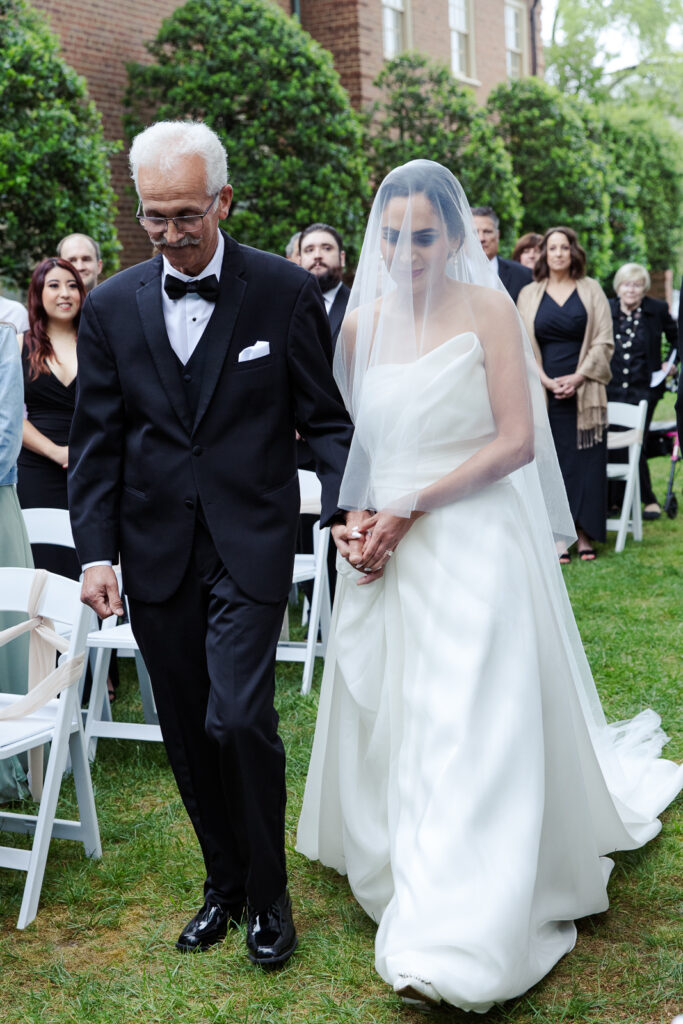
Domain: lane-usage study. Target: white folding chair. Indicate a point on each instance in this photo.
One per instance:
(52, 526)
(631, 417)
(48, 713)
(311, 567)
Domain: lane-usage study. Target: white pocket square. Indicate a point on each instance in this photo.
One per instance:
(255, 351)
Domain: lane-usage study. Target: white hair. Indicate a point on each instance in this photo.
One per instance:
(162, 144)
(632, 272)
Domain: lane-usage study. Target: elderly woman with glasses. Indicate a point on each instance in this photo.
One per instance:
(639, 323)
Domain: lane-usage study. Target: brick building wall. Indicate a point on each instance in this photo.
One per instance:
(98, 39)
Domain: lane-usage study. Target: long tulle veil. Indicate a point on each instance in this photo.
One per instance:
(409, 265)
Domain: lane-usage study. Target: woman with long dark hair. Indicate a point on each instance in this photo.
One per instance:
(463, 775)
(48, 354)
(570, 325)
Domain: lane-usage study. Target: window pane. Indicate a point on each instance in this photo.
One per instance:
(513, 27)
(460, 54)
(514, 64)
(457, 15)
(393, 32)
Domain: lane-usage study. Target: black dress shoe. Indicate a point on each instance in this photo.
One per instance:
(271, 936)
(208, 927)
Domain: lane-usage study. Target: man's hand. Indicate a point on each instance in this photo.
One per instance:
(100, 591)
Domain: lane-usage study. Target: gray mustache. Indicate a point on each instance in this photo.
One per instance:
(162, 244)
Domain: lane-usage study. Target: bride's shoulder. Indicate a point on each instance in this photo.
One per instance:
(352, 319)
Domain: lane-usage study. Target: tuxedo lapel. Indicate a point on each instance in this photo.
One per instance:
(218, 333)
(337, 312)
(152, 317)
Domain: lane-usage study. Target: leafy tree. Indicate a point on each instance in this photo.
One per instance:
(54, 171)
(648, 154)
(272, 95)
(578, 55)
(564, 175)
(425, 114)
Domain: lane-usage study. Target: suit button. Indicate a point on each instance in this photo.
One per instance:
(189, 503)
(197, 450)
(187, 377)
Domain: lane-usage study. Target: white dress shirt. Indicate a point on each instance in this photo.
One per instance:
(187, 317)
(330, 296)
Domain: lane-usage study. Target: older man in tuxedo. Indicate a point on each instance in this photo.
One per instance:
(195, 368)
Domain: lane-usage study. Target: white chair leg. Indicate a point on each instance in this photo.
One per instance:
(637, 510)
(84, 795)
(98, 694)
(43, 833)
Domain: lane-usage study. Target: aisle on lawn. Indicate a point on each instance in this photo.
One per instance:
(101, 949)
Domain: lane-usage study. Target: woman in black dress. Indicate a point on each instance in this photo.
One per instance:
(569, 321)
(639, 323)
(48, 354)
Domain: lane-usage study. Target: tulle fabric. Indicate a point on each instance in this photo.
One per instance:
(398, 293)
(462, 772)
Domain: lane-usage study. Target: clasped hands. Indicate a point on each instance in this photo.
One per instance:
(367, 540)
(565, 387)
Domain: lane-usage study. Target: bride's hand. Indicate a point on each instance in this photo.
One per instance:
(383, 532)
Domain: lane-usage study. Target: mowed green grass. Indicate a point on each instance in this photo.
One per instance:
(101, 950)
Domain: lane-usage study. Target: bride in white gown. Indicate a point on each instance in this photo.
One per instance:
(462, 773)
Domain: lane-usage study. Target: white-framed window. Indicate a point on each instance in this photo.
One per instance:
(515, 39)
(462, 49)
(394, 27)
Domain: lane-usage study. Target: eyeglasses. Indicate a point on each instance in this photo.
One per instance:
(189, 225)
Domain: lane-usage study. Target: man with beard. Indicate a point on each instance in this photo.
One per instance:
(322, 254)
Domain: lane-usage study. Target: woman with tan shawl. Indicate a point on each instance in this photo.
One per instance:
(570, 325)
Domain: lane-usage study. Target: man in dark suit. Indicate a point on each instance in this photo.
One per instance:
(513, 275)
(322, 254)
(195, 368)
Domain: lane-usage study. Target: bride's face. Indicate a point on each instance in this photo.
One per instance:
(415, 245)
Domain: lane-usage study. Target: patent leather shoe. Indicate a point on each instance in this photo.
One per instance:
(208, 927)
(271, 936)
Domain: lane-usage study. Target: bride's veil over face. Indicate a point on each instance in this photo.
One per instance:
(420, 285)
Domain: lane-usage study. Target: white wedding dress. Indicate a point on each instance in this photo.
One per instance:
(460, 775)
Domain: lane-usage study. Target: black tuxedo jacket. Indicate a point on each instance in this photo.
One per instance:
(657, 320)
(514, 276)
(139, 463)
(337, 311)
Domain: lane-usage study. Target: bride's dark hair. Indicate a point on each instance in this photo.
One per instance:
(433, 181)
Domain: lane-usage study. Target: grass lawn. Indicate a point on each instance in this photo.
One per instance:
(101, 948)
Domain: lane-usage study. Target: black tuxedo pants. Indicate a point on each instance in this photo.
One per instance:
(210, 653)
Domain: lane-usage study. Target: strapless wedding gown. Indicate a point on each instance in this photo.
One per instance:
(459, 775)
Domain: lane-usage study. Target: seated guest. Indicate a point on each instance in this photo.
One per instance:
(527, 249)
(14, 546)
(513, 275)
(639, 323)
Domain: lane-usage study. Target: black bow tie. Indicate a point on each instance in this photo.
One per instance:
(206, 287)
